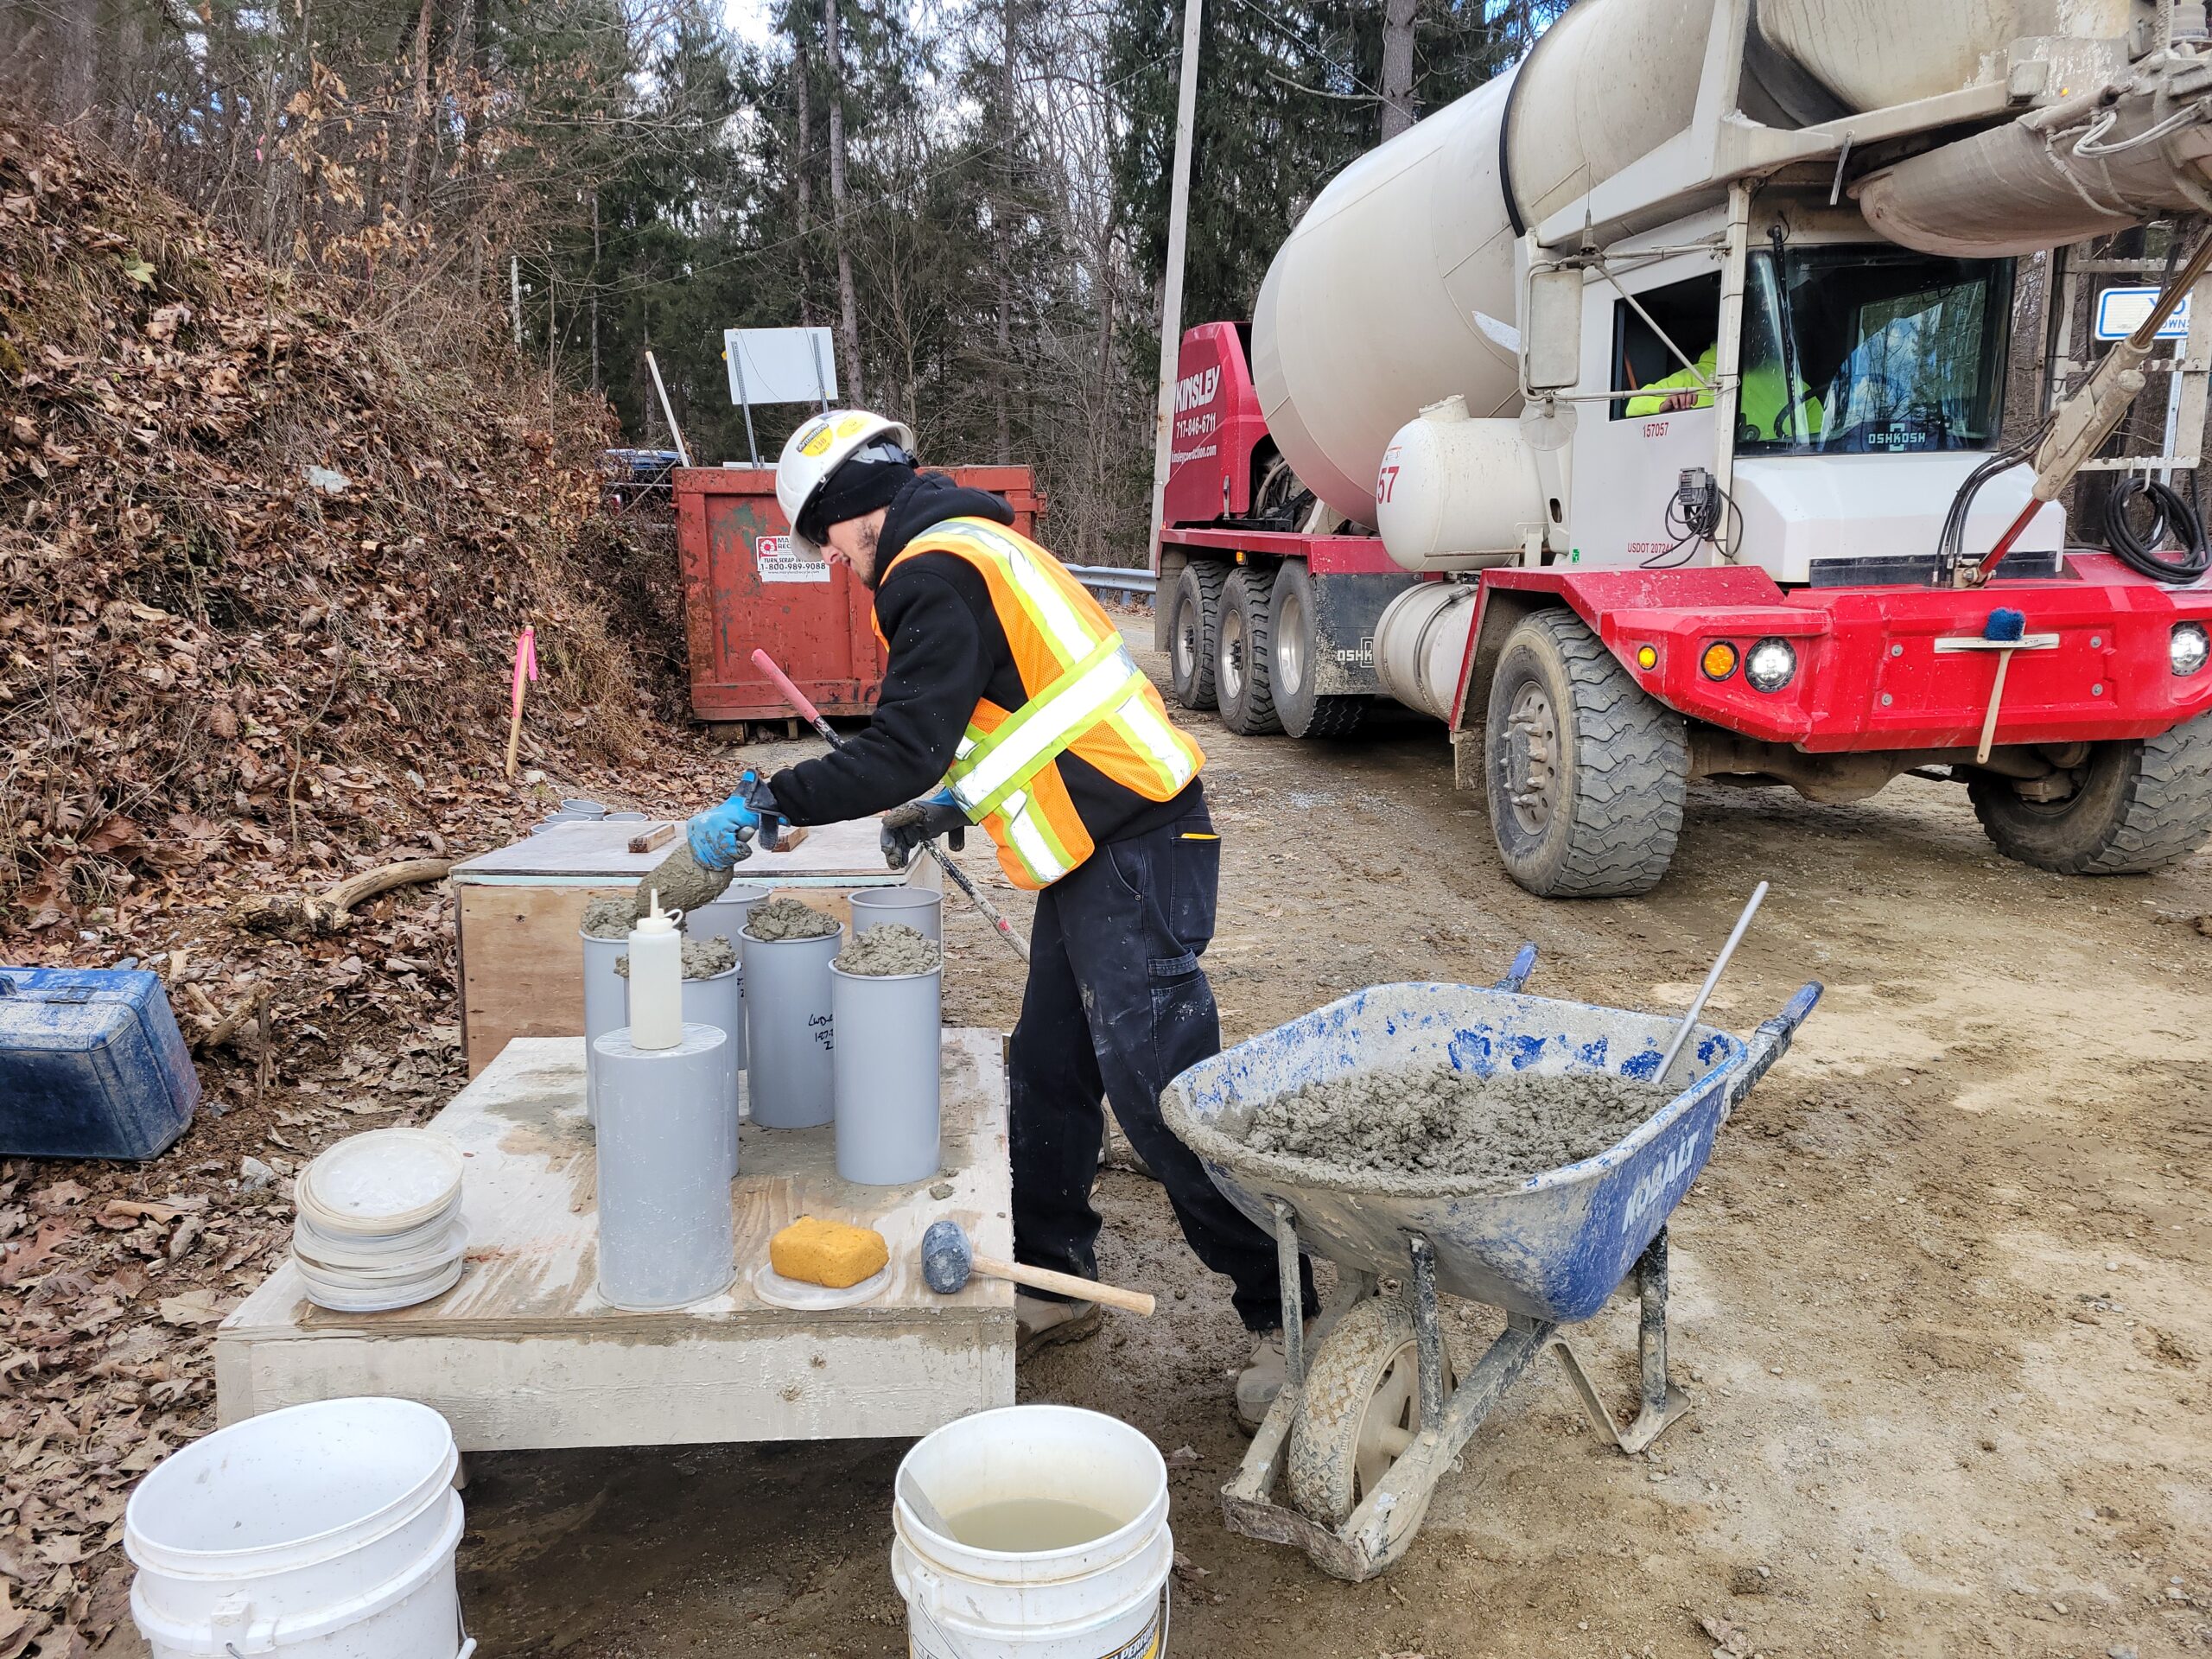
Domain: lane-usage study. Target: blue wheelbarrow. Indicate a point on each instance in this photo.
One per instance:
(1364, 1431)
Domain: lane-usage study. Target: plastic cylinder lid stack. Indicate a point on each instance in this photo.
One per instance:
(378, 1222)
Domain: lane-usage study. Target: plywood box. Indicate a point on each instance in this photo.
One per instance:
(524, 1352)
(521, 906)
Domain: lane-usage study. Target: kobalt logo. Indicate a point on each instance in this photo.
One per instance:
(1649, 1191)
(1195, 390)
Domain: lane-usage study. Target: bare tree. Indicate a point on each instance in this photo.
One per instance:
(1398, 66)
(847, 301)
(1008, 93)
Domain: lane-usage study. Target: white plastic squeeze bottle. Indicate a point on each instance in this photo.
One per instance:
(656, 979)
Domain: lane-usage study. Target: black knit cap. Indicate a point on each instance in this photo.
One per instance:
(867, 479)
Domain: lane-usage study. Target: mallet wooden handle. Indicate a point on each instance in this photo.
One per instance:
(1067, 1284)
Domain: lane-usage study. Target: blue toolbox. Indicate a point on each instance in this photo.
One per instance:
(92, 1065)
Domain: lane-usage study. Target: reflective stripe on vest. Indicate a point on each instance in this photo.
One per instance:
(1099, 683)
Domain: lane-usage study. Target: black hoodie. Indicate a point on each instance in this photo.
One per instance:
(947, 653)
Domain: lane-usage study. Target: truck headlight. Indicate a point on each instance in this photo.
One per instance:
(2189, 647)
(1770, 665)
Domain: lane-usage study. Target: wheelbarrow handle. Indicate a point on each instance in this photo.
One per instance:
(1769, 1043)
(1524, 964)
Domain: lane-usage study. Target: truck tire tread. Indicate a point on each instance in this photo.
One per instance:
(1248, 590)
(2146, 804)
(1336, 716)
(1203, 579)
(1630, 778)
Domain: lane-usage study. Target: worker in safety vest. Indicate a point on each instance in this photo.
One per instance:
(1761, 401)
(1010, 702)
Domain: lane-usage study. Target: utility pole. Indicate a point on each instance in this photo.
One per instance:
(514, 294)
(1171, 288)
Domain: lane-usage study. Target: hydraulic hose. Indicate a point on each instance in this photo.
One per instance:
(1950, 544)
(2170, 511)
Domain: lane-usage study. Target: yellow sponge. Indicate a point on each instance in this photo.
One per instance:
(827, 1252)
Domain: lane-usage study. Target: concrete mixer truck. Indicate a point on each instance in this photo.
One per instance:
(1640, 416)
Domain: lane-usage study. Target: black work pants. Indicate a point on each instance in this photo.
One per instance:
(1117, 1005)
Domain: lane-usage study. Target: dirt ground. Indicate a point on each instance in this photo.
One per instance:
(1939, 1299)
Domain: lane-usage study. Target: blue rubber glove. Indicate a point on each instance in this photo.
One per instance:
(721, 835)
(905, 828)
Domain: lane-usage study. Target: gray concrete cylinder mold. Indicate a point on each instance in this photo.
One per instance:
(718, 1002)
(919, 908)
(887, 1096)
(664, 1236)
(725, 919)
(791, 1034)
(606, 1007)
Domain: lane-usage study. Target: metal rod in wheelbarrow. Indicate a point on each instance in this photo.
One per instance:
(1697, 1003)
(798, 699)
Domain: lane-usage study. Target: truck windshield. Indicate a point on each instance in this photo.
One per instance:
(1860, 350)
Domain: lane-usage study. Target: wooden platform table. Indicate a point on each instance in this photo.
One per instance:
(524, 1352)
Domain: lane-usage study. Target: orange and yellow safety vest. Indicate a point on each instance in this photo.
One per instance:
(1086, 694)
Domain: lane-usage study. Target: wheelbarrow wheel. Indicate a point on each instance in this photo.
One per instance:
(1360, 1409)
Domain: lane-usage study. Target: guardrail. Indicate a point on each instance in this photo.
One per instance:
(1114, 577)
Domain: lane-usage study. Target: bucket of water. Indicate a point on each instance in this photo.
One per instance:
(1054, 1543)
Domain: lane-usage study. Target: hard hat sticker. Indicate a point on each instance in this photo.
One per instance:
(818, 441)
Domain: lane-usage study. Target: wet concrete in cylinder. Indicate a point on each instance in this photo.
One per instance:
(1413, 1126)
(702, 959)
(609, 919)
(787, 918)
(888, 949)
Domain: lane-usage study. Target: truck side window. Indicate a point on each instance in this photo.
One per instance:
(1690, 313)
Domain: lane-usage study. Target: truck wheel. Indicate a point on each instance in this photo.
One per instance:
(1587, 775)
(1293, 628)
(2140, 805)
(1193, 631)
(1243, 677)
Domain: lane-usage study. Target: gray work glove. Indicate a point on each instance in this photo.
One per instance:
(905, 828)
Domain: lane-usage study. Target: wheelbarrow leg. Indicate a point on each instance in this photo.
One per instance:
(1661, 1401)
(1292, 1286)
(1429, 1334)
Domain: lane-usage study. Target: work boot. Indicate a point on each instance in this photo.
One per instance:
(1041, 1323)
(1260, 1381)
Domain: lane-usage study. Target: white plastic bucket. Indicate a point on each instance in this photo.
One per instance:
(1105, 1600)
(325, 1531)
(919, 908)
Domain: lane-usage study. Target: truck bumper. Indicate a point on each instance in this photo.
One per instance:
(1872, 672)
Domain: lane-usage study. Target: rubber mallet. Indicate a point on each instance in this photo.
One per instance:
(947, 1258)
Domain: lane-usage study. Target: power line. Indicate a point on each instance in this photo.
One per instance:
(1290, 34)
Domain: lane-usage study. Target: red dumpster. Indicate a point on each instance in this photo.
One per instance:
(743, 591)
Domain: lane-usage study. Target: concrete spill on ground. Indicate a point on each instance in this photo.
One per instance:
(682, 882)
(1417, 1125)
(702, 959)
(609, 919)
(787, 918)
(890, 948)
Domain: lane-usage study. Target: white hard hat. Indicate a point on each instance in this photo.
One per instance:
(819, 448)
